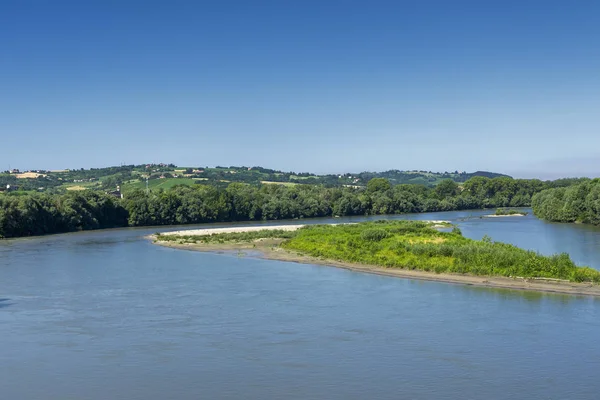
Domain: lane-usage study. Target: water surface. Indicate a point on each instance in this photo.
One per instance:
(107, 315)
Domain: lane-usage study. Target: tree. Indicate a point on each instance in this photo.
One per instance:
(446, 188)
(378, 185)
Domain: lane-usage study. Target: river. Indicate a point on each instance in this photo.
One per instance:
(108, 315)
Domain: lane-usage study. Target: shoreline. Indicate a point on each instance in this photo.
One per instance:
(287, 228)
(502, 216)
(269, 249)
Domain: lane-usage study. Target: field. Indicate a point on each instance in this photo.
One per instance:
(128, 177)
(155, 184)
(29, 175)
(279, 183)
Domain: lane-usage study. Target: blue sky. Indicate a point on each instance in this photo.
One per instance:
(319, 86)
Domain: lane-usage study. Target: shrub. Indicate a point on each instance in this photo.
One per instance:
(374, 235)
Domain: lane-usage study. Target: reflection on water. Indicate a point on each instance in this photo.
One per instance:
(106, 314)
(5, 303)
(530, 296)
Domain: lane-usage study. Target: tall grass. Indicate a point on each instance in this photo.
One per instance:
(415, 245)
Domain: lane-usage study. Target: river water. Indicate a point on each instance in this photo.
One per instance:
(108, 315)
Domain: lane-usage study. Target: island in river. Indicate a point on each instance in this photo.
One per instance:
(408, 249)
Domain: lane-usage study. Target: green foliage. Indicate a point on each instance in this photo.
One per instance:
(506, 211)
(577, 203)
(43, 214)
(456, 230)
(182, 201)
(374, 234)
(228, 237)
(416, 245)
(446, 188)
(378, 185)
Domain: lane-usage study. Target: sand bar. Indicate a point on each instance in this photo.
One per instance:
(507, 215)
(215, 231)
(269, 249)
(240, 229)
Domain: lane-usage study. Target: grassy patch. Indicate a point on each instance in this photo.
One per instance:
(237, 237)
(153, 184)
(414, 245)
(279, 183)
(508, 211)
(417, 246)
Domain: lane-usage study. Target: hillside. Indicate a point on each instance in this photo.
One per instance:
(167, 175)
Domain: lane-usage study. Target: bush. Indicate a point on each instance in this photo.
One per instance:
(374, 235)
(415, 245)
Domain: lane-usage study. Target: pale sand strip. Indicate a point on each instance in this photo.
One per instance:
(215, 231)
(503, 216)
(240, 229)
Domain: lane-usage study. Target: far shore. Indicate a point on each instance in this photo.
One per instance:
(269, 249)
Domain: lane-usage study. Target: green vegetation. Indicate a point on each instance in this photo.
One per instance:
(34, 214)
(154, 184)
(164, 176)
(237, 237)
(197, 195)
(40, 214)
(413, 245)
(416, 245)
(577, 203)
(507, 211)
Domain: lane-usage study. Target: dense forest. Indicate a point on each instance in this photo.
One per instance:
(576, 203)
(36, 214)
(40, 214)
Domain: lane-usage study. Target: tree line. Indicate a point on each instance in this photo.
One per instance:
(576, 203)
(37, 214)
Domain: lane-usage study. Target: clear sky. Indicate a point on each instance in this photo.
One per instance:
(320, 86)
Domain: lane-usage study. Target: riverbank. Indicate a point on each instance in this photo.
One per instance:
(504, 215)
(285, 228)
(270, 248)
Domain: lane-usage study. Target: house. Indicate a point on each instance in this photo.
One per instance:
(116, 193)
(8, 188)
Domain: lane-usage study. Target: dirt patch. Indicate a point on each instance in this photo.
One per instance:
(436, 240)
(29, 175)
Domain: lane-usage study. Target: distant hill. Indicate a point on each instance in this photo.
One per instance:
(426, 177)
(488, 174)
(163, 176)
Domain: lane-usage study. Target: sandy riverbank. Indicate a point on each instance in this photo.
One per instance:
(215, 231)
(240, 229)
(269, 249)
(503, 216)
